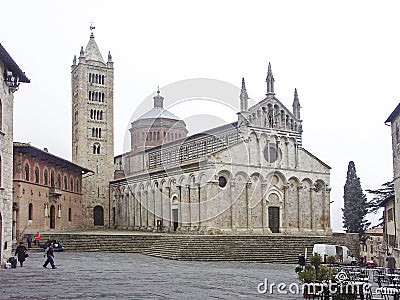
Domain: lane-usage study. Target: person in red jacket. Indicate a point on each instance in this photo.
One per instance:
(37, 239)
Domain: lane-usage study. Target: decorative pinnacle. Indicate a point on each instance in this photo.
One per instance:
(109, 56)
(243, 84)
(82, 52)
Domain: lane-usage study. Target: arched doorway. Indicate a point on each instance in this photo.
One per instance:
(52, 217)
(175, 213)
(98, 215)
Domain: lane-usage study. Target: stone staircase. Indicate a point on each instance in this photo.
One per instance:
(260, 248)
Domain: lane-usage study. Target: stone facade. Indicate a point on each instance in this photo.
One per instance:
(92, 129)
(392, 209)
(251, 176)
(47, 191)
(10, 76)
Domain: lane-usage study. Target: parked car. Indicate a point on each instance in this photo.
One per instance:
(370, 264)
(57, 245)
(341, 253)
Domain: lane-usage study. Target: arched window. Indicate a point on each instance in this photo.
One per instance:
(36, 175)
(45, 178)
(59, 181)
(90, 95)
(98, 115)
(30, 212)
(52, 179)
(94, 149)
(77, 186)
(99, 132)
(101, 115)
(97, 78)
(91, 113)
(93, 132)
(102, 79)
(26, 172)
(98, 149)
(69, 214)
(71, 184)
(65, 183)
(92, 78)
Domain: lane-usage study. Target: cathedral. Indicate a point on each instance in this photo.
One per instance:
(252, 176)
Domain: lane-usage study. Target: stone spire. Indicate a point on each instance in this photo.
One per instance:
(270, 81)
(296, 105)
(244, 103)
(158, 100)
(92, 51)
(74, 61)
(109, 57)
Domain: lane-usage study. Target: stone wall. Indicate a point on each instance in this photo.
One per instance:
(6, 169)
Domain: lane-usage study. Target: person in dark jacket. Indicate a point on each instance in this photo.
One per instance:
(21, 253)
(29, 241)
(49, 252)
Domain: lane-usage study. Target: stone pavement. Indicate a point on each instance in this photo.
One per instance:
(99, 275)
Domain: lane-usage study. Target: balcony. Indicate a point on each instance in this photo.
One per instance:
(55, 192)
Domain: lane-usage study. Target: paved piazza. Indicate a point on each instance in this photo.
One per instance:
(99, 275)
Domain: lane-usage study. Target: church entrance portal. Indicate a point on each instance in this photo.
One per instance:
(98, 215)
(175, 218)
(52, 217)
(273, 219)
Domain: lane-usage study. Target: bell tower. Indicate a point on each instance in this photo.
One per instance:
(92, 83)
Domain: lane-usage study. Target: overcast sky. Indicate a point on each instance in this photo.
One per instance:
(342, 56)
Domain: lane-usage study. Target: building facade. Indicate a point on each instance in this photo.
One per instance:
(373, 247)
(391, 204)
(250, 176)
(47, 191)
(11, 76)
(92, 129)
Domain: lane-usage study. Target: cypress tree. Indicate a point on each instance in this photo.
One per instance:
(355, 203)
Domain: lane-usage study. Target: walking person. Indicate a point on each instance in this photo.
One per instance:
(21, 253)
(49, 252)
(391, 263)
(302, 261)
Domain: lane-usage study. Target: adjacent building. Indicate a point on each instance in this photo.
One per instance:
(373, 247)
(251, 176)
(10, 77)
(47, 191)
(391, 204)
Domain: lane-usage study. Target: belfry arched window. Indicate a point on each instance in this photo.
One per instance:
(45, 178)
(71, 184)
(26, 172)
(59, 181)
(36, 175)
(52, 179)
(65, 183)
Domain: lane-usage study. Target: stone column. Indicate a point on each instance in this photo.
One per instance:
(285, 221)
(248, 185)
(311, 210)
